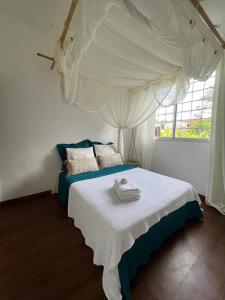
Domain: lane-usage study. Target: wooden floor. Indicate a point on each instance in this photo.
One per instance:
(43, 257)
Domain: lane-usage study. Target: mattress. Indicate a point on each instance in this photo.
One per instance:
(110, 227)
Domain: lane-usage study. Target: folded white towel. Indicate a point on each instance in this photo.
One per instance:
(126, 189)
(128, 196)
(129, 186)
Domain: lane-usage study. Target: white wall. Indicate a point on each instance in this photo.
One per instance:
(32, 117)
(188, 161)
(33, 120)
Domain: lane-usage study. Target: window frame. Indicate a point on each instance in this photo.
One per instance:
(177, 139)
(182, 139)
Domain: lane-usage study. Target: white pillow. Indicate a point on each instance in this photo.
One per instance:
(81, 165)
(79, 153)
(105, 149)
(106, 161)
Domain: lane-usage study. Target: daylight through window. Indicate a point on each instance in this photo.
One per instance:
(191, 118)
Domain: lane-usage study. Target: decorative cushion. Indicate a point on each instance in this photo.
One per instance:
(106, 161)
(104, 149)
(79, 153)
(62, 147)
(81, 165)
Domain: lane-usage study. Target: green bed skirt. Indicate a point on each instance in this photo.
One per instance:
(139, 254)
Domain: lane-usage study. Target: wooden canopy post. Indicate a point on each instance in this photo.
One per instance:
(196, 4)
(65, 30)
(207, 20)
(47, 57)
(68, 21)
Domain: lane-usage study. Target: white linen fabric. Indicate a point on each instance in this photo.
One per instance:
(128, 196)
(124, 58)
(79, 153)
(144, 142)
(106, 161)
(111, 226)
(141, 103)
(126, 189)
(216, 186)
(126, 184)
(78, 166)
(107, 28)
(104, 149)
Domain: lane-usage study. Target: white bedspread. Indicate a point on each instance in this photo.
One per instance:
(111, 226)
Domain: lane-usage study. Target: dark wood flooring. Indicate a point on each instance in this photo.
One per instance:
(43, 257)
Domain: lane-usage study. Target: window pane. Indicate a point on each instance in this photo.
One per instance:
(188, 97)
(197, 95)
(164, 121)
(196, 105)
(169, 109)
(207, 103)
(186, 115)
(193, 114)
(190, 88)
(161, 110)
(206, 113)
(179, 107)
(198, 85)
(169, 117)
(210, 82)
(164, 129)
(208, 93)
(186, 106)
(196, 114)
(178, 116)
(162, 118)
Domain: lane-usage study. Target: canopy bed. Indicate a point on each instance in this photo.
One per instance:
(123, 59)
(124, 234)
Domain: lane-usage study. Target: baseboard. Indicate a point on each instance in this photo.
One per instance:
(202, 197)
(25, 198)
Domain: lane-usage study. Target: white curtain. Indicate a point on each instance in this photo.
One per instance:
(144, 142)
(200, 50)
(175, 23)
(124, 58)
(216, 187)
(135, 107)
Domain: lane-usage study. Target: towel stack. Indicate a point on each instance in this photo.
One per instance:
(126, 189)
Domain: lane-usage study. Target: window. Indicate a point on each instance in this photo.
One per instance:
(190, 118)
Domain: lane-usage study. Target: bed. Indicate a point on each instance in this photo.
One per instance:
(124, 235)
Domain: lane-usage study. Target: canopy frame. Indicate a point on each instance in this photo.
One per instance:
(196, 4)
(65, 30)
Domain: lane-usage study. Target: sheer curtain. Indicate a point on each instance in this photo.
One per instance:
(216, 186)
(172, 26)
(147, 51)
(175, 23)
(144, 141)
(136, 107)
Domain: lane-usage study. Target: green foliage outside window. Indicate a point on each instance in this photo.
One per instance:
(197, 129)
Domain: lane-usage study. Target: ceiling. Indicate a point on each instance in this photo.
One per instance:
(45, 16)
(216, 11)
(48, 16)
